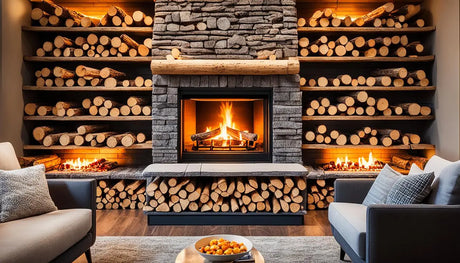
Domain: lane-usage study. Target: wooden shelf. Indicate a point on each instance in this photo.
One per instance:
(143, 30)
(140, 146)
(366, 59)
(366, 29)
(88, 118)
(367, 118)
(87, 88)
(368, 88)
(87, 59)
(400, 147)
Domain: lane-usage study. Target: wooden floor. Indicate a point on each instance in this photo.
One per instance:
(134, 223)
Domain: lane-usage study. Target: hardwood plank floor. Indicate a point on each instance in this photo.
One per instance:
(134, 223)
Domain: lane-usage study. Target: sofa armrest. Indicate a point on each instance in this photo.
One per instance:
(413, 233)
(352, 190)
(75, 193)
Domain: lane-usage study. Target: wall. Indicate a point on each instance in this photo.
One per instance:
(14, 14)
(445, 131)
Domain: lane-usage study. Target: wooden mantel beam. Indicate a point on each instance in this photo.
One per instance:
(225, 67)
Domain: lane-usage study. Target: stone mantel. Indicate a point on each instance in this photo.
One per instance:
(225, 67)
(224, 169)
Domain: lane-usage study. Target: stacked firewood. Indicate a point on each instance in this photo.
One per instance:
(365, 136)
(87, 135)
(283, 194)
(51, 162)
(405, 161)
(122, 194)
(383, 16)
(86, 76)
(320, 194)
(95, 46)
(396, 77)
(360, 103)
(395, 46)
(49, 13)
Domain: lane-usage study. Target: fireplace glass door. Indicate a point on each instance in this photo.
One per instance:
(225, 127)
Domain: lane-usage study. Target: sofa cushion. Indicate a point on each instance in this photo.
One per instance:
(8, 160)
(436, 164)
(447, 191)
(24, 193)
(381, 186)
(42, 238)
(414, 169)
(350, 221)
(411, 189)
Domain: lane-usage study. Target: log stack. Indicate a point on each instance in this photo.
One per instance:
(394, 46)
(227, 194)
(386, 77)
(360, 103)
(87, 135)
(48, 13)
(84, 76)
(120, 194)
(51, 162)
(95, 46)
(383, 16)
(364, 136)
(320, 194)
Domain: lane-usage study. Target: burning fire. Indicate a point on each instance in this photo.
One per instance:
(361, 165)
(226, 116)
(96, 165)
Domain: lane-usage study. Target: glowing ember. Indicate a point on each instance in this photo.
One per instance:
(361, 165)
(85, 165)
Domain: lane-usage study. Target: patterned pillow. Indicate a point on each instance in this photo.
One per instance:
(381, 186)
(24, 193)
(411, 189)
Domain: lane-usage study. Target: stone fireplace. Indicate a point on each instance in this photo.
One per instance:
(264, 106)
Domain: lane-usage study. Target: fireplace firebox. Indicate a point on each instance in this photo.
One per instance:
(228, 125)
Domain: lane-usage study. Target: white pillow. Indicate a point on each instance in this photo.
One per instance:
(414, 169)
(436, 164)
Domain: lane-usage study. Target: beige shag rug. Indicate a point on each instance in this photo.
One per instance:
(164, 249)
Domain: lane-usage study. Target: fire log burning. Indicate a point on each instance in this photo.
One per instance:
(361, 165)
(101, 165)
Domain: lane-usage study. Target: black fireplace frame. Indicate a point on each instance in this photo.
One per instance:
(260, 93)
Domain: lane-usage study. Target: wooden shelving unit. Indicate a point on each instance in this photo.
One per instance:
(345, 59)
(88, 118)
(367, 118)
(140, 146)
(364, 30)
(86, 88)
(366, 88)
(397, 147)
(140, 30)
(88, 59)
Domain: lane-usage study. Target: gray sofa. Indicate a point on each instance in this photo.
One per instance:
(393, 233)
(59, 236)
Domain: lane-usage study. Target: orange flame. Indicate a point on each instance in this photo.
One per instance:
(361, 161)
(79, 164)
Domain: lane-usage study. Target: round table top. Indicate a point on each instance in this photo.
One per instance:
(191, 255)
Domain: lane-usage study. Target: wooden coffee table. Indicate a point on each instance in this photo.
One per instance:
(191, 255)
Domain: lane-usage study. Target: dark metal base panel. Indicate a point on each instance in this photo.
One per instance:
(225, 219)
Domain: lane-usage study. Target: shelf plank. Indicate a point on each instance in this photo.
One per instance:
(140, 146)
(365, 29)
(367, 118)
(87, 88)
(88, 118)
(368, 88)
(87, 59)
(366, 59)
(401, 147)
(143, 30)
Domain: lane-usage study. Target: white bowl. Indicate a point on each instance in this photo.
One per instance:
(222, 258)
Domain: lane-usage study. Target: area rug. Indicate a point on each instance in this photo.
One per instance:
(164, 249)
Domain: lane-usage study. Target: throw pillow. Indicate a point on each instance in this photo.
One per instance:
(448, 190)
(24, 193)
(381, 186)
(411, 189)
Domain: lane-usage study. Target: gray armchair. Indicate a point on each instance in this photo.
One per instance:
(392, 233)
(59, 236)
